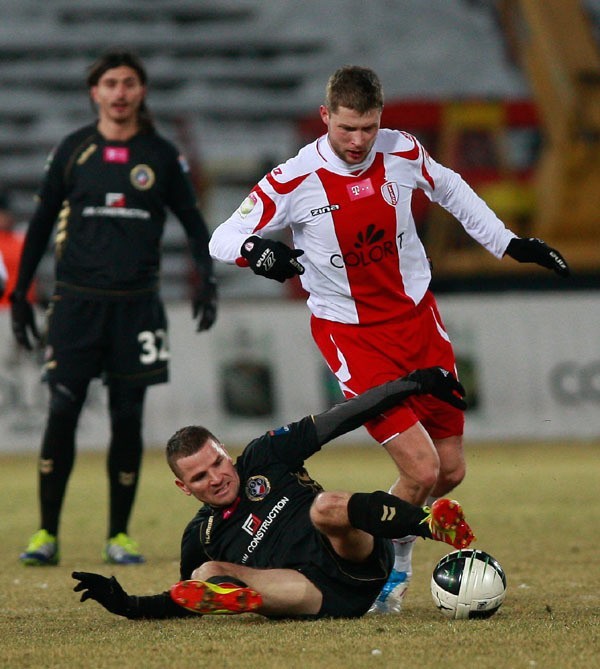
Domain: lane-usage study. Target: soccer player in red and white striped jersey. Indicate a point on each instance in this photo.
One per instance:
(346, 198)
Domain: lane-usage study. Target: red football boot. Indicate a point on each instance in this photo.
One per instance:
(215, 598)
(447, 523)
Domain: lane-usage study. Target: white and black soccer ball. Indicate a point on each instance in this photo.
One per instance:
(468, 584)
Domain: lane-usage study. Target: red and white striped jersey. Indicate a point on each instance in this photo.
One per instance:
(363, 259)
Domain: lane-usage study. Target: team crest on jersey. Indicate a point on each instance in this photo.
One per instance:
(142, 177)
(257, 488)
(390, 193)
(247, 205)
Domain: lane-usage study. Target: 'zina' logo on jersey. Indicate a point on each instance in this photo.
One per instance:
(324, 210)
(257, 488)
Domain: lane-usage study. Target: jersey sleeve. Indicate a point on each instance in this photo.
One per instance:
(296, 442)
(50, 198)
(291, 444)
(448, 189)
(192, 550)
(264, 211)
(182, 201)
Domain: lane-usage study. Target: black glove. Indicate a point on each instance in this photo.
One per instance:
(204, 304)
(22, 319)
(537, 251)
(440, 383)
(106, 591)
(272, 259)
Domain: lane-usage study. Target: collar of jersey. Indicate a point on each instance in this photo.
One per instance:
(230, 510)
(336, 164)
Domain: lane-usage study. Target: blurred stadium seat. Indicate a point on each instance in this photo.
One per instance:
(229, 79)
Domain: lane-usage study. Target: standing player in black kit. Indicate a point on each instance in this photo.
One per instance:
(107, 187)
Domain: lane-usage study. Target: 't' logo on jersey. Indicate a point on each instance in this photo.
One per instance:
(360, 189)
(115, 154)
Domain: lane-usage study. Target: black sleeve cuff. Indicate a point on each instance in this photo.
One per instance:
(155, 607)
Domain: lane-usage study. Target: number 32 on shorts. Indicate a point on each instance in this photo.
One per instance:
(155, 346)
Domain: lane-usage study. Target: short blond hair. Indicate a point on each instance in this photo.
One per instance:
(354, 87)
(185, 442)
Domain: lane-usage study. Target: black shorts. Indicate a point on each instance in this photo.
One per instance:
(349, 588)
(122, 340)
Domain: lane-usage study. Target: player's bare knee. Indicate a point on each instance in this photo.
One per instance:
(212, 568)
(456, 477)
(329, 509)
(430, 478)
(449, 480)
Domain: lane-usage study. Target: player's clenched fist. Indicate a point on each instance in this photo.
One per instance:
(440, 383)
(271, 258)
(537, 251)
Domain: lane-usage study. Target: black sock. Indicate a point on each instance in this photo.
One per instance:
(58, 449)
(55, 466)
(124, 454)
(52, 485)
(123, 474)
(385, 515)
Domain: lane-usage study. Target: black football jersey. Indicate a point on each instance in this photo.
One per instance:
(269, 524)
(108, 200)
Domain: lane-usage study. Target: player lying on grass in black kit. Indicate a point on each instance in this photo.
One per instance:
(269, 539)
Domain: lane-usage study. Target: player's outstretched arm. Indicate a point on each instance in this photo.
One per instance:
(109, 593)
(537, 251)
(272, 259)
(351, 414)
